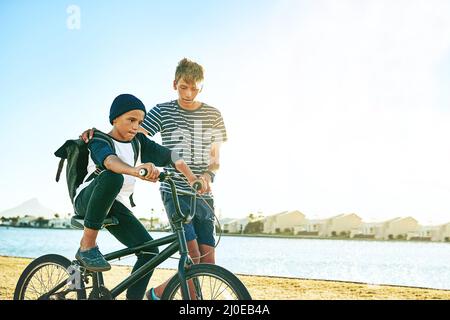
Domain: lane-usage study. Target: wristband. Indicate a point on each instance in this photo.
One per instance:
(211, 174)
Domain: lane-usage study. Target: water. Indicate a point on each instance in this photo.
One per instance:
(416, 264)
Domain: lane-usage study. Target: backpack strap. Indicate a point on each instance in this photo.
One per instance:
(60, 167)
(136, 149)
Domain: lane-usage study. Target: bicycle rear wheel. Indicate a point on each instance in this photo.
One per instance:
(211, 282)
(42, 276)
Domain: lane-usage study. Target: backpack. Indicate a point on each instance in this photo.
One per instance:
(77, 154)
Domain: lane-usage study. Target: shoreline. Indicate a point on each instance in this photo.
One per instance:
(279, 277)
(259, 235)
(260, 287)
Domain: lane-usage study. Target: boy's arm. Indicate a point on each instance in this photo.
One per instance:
(219, 136)
(182, 167)
(155, 153)
(214, 165)
(115, 164)
(162, 156)
(152, 123)
(105, 158)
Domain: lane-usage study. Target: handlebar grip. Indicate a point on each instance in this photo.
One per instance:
(197, 185)
(162, 176)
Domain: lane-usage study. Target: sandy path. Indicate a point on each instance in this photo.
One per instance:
(273, 288)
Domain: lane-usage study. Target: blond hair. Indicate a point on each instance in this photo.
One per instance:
(189, 71)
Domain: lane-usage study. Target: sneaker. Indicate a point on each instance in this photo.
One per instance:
(93, 260)
(151, 295)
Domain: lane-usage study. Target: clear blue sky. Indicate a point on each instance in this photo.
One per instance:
(331, 106)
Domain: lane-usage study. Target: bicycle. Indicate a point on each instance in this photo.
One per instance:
(62, 279)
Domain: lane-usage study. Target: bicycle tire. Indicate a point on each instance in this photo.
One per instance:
(239, 290)
(38, 264)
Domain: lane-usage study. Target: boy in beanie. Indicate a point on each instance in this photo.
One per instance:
(115, 170)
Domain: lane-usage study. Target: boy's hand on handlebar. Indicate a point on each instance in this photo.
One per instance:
(87, 135)
(202, 182)
(152, 172)
(207, 178)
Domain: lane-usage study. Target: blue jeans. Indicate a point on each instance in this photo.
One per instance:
(202, 225)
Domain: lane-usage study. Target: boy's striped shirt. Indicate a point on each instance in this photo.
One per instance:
(188, 133)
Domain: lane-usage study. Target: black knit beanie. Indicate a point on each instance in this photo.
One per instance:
(124, 103)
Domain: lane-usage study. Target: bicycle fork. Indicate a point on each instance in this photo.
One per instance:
(184, 261)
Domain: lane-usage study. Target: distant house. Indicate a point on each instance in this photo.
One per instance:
(371, 230)
(398, 228)
(27, 221)
(425, 233)
(153, 224)
(5, 222)
(59, 223)
(443, 233)
(235, 226)
(314, 227)
(224, 224)
(286, 221)
(431, 233)
(343, 225)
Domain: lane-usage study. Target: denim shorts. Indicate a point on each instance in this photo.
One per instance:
(202, 225)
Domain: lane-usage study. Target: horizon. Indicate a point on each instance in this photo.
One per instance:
(330, 107)
(162, 217)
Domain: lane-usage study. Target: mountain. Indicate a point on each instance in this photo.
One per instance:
(31, 207)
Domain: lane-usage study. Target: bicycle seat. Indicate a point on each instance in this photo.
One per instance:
(77, 222)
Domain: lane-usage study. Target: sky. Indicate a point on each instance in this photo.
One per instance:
(330, 106)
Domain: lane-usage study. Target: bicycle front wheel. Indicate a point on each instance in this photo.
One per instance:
(211, 282)
(45, 278)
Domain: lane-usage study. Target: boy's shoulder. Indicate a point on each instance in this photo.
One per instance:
(209, 107)
(173, 104)
(168, 104)
(101, 137)
(140, 137)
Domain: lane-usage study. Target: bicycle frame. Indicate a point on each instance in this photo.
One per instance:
(177, 242)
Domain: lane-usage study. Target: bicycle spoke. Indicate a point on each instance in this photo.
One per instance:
(45, 283)
(50, 281)
(37, 294)
(48, 274)
(39, 277)
(220, 285)
(60, 278)
(217, 295)
(210, 285)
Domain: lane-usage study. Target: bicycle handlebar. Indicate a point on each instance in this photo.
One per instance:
(167, 176)
(164, 175)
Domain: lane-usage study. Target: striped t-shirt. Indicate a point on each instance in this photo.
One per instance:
(189, 134)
